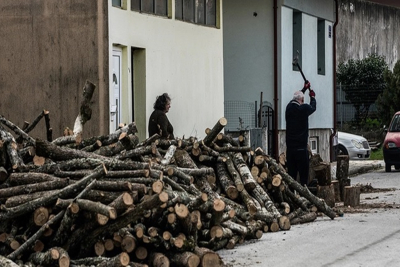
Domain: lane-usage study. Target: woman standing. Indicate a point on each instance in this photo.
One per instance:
(158, 122)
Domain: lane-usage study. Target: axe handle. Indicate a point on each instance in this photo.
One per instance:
(301, 71)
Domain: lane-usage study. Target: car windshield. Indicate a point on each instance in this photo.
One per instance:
(395, 125)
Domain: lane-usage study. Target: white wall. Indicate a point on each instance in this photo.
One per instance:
(290, 80)
(182, 59)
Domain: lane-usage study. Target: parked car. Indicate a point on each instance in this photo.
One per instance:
(355, 146)
(391, 144)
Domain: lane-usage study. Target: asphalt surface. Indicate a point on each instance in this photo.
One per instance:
(361, 237)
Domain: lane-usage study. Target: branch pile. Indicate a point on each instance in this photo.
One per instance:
(114, 201)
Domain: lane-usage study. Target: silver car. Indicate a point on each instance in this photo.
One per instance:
(355, 146)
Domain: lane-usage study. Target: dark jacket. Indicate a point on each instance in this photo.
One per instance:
(159, 124)
(297, 123)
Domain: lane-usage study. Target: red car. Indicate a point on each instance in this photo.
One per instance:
(391, 145)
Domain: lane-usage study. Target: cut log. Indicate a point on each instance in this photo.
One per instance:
(320, 204)
(208, 257)
(336, 189)
(234, 174)
(248, 180)
(4, 262)
(323, 173)
(327, 193)
(184, 259)
(305, 218)
(211, 135)
(226, 182)
(159, 260)
(120, 260)
(351, 196)
(342, 173)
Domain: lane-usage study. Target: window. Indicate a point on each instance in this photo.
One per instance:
(321, 47)
(156, 7)
(297, 37)
(117, 3)
(314, 144)
(201, 12)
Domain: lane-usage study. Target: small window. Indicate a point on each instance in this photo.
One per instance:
(202, 12)
(321, 47)
(211, 18)
(156, 7)
(297, 38)
(117, 3)
(314, 144)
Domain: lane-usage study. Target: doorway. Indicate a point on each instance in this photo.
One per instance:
(115, 90)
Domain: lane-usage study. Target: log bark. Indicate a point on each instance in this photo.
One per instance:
(248, 180)
(183, 159)
(120, 260)
(7, 262)
(226, 182)
(54, 152)
(305, 218)
(26, 189)
(234, 174)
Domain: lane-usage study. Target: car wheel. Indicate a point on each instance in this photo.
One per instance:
(388, 167)
(342, 151)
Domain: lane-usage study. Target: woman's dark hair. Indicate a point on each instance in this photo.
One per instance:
(161, 101)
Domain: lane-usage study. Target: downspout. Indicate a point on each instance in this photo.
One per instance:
(334, 79)
(276, 147)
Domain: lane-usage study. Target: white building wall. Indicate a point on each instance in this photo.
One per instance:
(182, 59)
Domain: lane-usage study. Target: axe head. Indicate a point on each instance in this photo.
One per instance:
(296, 59)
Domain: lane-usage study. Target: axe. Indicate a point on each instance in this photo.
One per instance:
(296, 63)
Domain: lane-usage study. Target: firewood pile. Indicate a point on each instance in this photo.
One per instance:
(115, 201)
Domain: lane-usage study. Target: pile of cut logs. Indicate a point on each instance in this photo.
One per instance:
(114, 201)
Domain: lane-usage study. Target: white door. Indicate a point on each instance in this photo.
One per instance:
(115, 91)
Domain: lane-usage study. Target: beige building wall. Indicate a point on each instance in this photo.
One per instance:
(48, 51)
(183, 59)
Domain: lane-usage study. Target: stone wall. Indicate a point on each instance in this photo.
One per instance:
(365, 28)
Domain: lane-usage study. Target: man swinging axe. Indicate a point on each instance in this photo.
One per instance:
(296, 115)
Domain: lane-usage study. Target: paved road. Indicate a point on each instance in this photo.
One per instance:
(369, 238)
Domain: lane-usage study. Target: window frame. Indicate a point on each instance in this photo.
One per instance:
(191, 14)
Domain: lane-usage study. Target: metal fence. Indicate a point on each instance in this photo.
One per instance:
(354, 105)
(241, 115)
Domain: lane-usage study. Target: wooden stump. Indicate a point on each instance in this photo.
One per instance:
(323, 173)
(336, 188)
(342, 173)
(352, 196)
(327, 193)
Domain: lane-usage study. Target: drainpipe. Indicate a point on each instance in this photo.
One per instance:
(334, 80)
(276, 147)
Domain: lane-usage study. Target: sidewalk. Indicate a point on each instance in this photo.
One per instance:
(359, 166)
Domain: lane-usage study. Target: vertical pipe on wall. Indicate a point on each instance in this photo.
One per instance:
(334, 81)
(276, 148)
